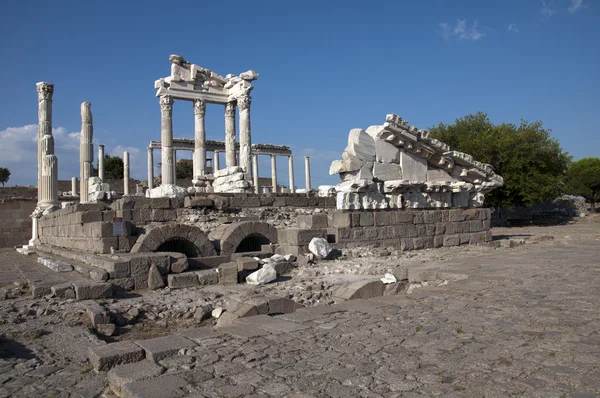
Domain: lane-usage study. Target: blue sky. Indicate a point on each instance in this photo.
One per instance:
(325, 67)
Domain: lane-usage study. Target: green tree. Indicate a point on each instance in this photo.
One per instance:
(531, 162)
(184, 169)
(113, 167)
(4, 175)
(583, 178)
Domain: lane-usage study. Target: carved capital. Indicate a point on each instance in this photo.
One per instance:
(230, 109)
(45, 90)
(199, 107)
(166, 103)
(244, 102)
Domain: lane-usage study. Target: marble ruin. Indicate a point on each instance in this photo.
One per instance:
(397, 166)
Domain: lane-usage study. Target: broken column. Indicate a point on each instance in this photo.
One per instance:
(307, 171)
(274, 173)
(216, 161)
(291, 171)
(150, 168)
(230, 160)
(245, 133)
(125, 173)
(45, 91)
(73, 186)
(255, 173)
(101, 162)
(86, 155)
(166, 139)
(49, 182)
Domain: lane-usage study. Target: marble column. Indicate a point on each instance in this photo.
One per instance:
(255, 173)
(291, 171)
(274, 173)
(245, 133)
(150, 168)
(45, 91)
(49, 181)
(216, 160)
(86, 154)
(166, 139)
(101, 162)
(126, 173)
(230, 160)
(73, 186)
(175, 166)
(307, 171)
(199, 139)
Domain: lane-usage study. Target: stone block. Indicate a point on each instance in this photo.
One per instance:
(429, 229)
(164, 215)
(296, 201)
(228, 273)
(92, 216)
(487, 224)
(278, 305)
(162, 347)
(185, 279)
(116, 268)
(361, 290)
(85, 290)
(403, 217)
(246, 264)
(97, 314)
(170, 386)
(123, 284)
(414, 168)
(139, 265)
(340, 220)
(406, 244)
(125, 374)
(106, 356)
(366, 219)
(485, 214)
(197, 202)
(478, 237)
(312, 221)
(386, 171)
(270, 324)
(289, 249)
(456, 215)
(386, 152)
(382, 218)
(361, 145)
(464, 238)
(299, 237)
(451, 240)
(438, 241)
(207, 277)
(207, 262)
(63, 290)
(475, 226)
(432, 216)
(423, 242)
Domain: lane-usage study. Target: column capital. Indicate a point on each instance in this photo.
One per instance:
(166, 103)
(199, 107)
(230, 108)
(100, 146)
(45, 90)
(244, 102)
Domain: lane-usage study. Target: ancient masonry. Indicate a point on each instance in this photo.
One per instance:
(400, 188)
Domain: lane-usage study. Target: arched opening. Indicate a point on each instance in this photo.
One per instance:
(179, 245)
(252, 243)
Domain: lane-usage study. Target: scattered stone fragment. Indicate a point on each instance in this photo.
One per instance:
(155, 279)
(216, 313)
(264, 275)
(389, 278)
(320, 248)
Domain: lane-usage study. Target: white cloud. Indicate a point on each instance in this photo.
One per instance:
(513, 28)
(575, 5)
(547, 10)
(18, 153)
(461, 30)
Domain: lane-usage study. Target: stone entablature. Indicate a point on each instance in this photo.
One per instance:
(395, 165)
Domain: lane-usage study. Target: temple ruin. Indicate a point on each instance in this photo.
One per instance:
(400, 188)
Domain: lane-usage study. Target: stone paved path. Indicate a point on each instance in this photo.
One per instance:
(526, 323)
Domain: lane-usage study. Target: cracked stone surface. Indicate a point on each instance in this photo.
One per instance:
(524, 323)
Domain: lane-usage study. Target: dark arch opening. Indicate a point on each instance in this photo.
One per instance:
(252, 243)
(179, 245)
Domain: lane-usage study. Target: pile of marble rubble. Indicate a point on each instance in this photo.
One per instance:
(395, 165)
(231, 179)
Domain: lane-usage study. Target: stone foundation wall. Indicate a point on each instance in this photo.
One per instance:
(15, 225)
(400, 229)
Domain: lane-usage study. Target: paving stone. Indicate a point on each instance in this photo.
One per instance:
(162, 347)
(165, 386)
(186, 279)
(85, 290)
(124, 374)
(366, 306)
(244, 331)
(105, 357)
(323, 309)
(200, 334)
(270, 324)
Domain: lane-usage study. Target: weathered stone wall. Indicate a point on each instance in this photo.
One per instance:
(15, 223)
(400, 229)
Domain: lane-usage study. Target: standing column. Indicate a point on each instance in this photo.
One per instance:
(86, 154)
(245, 133)
(150, 168)
(255, 173)
(199, 139)
(73, 186)
(101, 162)
(174, 166)
(230, 160)
(307, 171)
(45, 91)
(274, 173)
(125, 173)
(291, 171)
(49, 181)
(166, 139)
(216, 161)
